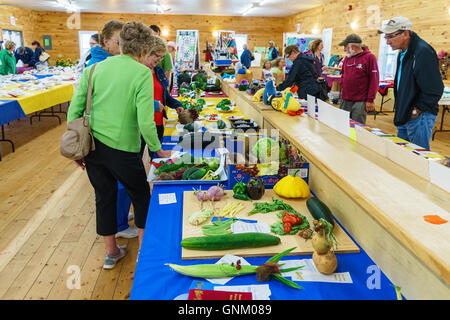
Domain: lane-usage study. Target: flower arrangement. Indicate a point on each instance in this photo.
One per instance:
(61, 62)
(242, 86)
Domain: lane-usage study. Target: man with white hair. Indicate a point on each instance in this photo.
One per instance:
(418, 84)
(360, 79)
(247, 57)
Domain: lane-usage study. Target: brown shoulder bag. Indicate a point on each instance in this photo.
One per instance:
(78, 141)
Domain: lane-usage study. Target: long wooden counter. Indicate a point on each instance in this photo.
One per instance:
(380, 203)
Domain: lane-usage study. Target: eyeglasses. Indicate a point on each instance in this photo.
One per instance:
(92, 43)
(392, 35)
(157, 55)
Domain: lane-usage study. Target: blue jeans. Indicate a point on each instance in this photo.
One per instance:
(418, 130)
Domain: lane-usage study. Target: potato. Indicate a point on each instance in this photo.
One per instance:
(318, 244)
(325, 263)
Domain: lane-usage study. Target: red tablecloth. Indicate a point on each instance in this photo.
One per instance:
(23, 69)
(330, 80)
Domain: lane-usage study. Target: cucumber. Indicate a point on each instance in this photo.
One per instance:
(230, 241)
(318, 210)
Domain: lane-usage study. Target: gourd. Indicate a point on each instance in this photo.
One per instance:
(292, 187)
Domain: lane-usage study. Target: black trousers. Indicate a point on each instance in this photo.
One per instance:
(105, 166)
(160, 131)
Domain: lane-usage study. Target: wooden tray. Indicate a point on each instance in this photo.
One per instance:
(191, 204)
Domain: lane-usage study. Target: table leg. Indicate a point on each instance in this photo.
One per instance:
(444, 110)
(6, 140)
(47, 114)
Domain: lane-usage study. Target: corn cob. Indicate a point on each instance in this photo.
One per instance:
(223, 270)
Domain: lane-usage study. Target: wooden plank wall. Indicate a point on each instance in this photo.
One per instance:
(430, 19)
(25, 22)
(65, 40)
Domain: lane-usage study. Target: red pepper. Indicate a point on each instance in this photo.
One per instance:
(292, 113)
(299, 112)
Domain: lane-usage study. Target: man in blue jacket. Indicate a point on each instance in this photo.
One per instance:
(247, 57)
(26, 55)
(418, 85)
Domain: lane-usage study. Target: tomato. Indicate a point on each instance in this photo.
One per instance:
(287, 228)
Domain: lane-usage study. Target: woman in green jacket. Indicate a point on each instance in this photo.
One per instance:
(7, 59)
(122, 109)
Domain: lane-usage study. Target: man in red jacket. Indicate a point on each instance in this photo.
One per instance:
(360, 79)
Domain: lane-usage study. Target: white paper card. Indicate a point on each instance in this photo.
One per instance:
(228, 258)
(245, 227)
(170, 126)
(439, 175)
(311, 106)
(171, 120)
(167, 198)
(309, 272)
(259, 291)
(333, 117)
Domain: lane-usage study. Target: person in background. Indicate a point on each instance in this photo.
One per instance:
(272, 52)
(37, 52)
(267, 71)
(93, 41)
(161, 94)
(418, 84)
(7, 59)
(26, 55)
(208, 53)
(315, 49)
(122, 110)
(109, 42)
(166, 61)
(247, 57)
(360, 79)
(278, 70)
(172, 48)
(302, 74)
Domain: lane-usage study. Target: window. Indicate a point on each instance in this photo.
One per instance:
(14, 36)
(241, 39)
(84, 38)
(387, 60)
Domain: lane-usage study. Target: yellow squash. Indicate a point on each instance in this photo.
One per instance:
(292, 187)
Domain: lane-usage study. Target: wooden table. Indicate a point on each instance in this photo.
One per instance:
(379, 202)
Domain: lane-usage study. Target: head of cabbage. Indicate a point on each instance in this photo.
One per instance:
(266, 150)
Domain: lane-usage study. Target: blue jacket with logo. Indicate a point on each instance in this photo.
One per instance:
(421, 84)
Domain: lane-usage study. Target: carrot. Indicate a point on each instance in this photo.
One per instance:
(434, 219)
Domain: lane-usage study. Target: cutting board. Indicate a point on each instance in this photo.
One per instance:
(303, 247)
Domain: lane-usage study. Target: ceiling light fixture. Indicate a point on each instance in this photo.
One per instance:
(68, 5)
(246, 11)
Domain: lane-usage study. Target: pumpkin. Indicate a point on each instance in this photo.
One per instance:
(292, 187)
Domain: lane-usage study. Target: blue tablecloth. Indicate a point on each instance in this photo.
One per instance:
(10, 110)
(161, 244)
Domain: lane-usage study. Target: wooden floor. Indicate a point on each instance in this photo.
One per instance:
(47, 220)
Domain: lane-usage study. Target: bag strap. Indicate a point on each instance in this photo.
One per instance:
(89, 92)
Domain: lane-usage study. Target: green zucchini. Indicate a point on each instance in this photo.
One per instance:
(230, 241)
(318, 210)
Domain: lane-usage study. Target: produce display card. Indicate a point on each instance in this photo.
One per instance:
(303, 247)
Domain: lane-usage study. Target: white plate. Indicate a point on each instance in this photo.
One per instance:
(198, 125)
(235, 117)
(230, 106)
(213, 127)
(216, 118)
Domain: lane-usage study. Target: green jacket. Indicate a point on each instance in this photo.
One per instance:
(7, 63)
(122, 104)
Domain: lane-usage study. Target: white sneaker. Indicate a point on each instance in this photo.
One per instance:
(130, 216)
(129, 233)
(110, 261)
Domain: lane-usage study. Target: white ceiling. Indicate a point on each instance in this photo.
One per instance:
(269, 8)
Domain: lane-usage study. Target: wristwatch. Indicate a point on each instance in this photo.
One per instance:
(414, 112)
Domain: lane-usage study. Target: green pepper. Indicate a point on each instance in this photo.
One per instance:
(241, 196)
(240, 187)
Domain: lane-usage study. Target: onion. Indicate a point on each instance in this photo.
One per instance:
(215, 193)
